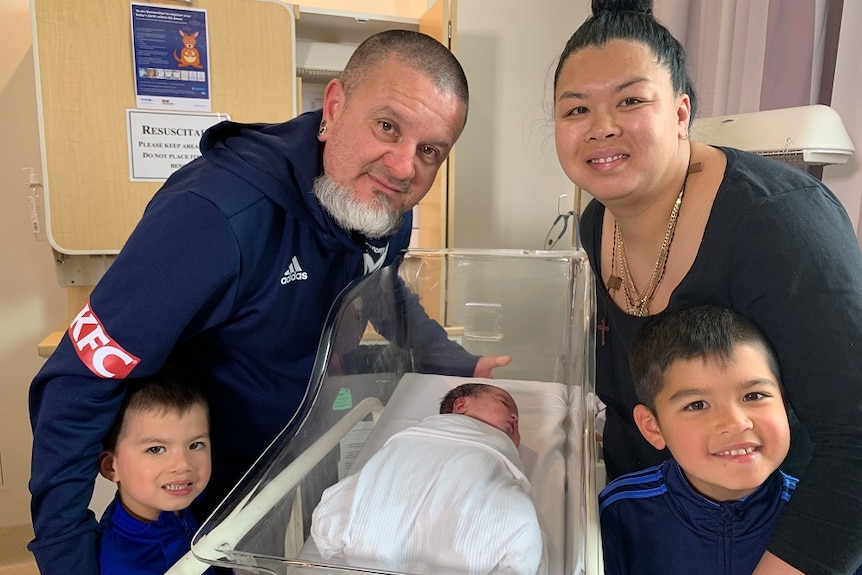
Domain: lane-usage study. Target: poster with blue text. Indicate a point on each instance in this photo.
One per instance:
(171, 58)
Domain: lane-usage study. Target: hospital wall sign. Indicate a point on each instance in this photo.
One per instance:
(162, 142)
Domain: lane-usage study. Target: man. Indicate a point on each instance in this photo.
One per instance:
(233, 268)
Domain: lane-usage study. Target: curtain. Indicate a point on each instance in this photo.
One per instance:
(740, 51)
(751, 55)
(846, 180)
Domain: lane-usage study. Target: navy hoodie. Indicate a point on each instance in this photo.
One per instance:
(129, 546)
(230, 272)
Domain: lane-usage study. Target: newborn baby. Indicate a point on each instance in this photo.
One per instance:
(447, 495)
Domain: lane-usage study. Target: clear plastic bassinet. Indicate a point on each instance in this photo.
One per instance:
(367, 382)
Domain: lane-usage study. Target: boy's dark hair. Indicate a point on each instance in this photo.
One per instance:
(697, 332)
(447, 405)
(632, 20)
(172, 388)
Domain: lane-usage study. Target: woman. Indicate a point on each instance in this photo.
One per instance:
(676, 222)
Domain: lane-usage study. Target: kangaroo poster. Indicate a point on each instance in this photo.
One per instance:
(171, 58)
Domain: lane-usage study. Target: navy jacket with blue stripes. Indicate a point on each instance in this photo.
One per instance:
(654, 523)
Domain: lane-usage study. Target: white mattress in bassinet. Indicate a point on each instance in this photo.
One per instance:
(543, 410)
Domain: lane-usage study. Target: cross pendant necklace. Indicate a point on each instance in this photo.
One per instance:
(604, 328)
(614, 283)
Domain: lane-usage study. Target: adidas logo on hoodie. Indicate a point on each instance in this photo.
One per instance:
(293, 273)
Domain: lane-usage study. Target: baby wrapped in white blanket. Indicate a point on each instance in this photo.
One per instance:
(446, 496)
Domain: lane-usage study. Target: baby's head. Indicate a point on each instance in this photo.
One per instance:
(487, 403)
(709, 390)
(158, 450)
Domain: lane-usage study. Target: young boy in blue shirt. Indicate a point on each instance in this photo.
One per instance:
(158, 454)
(709, 390)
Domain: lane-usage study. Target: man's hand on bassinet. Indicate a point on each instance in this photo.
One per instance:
(486, 364)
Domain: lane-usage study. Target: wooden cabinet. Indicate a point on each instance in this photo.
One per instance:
(86, 82)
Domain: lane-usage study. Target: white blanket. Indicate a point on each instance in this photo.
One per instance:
(446, 496)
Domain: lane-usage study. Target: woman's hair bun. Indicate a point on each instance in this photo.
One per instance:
(643, 6)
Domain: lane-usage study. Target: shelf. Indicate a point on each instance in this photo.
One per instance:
(50, 343)
(321, 61)
(337, 27)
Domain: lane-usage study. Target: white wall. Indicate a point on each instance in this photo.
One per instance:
(31, 301)
(507, 177)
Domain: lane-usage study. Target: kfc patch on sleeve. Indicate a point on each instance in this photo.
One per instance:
(101, 354)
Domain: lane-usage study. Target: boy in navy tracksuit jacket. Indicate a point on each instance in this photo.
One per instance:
(709, 391)
(158, 454)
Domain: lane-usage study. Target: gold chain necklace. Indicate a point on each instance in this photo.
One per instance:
(638, 303)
